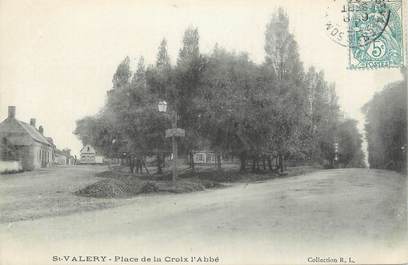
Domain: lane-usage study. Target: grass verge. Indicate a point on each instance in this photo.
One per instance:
(119, 184)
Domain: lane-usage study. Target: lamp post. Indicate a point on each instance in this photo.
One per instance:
(173, 133)
(336, 153)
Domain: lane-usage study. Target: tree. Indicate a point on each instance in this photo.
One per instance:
(129, 122)
(122, 75)
(386, 127)
(160, 77)
(288, 93)
(190, 50)
(349, 141)
(139, 77)
(163, 59)
(281, 52)
(226, 105)
(187, 77)
(160, 86)
(224, 102)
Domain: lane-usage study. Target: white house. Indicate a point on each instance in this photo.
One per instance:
(204, 157)
(89, 156)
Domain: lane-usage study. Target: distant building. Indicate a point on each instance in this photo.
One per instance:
(23, 142)
(70, 159)
(60, 158)
(64, 158)
(90, 156)
(204, 157)
(54, 147)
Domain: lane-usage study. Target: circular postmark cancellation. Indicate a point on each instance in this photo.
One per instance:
(371, 29)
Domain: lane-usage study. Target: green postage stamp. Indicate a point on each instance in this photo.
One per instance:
(376, 37)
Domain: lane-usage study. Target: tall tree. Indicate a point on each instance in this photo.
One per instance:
(187, 78)
(349, 141)
(281, 51)
(386, 127)
(282, 62)
(163, 59)
(139, 77)
(122, 75)
(190, 49)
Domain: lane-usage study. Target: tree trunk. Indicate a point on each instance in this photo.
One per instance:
(270, 163)
(132, 165)
(218, 160)
(192, 160)
(264, 163)
(253, 165)
(159, 164)
(281, 165)
(144, 165)
(242, 159)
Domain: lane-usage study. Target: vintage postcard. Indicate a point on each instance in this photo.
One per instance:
(203, 132)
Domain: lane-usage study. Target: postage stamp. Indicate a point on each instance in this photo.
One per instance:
(375, 34)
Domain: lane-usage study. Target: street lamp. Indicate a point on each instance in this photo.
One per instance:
(173, 133)
(162, 106)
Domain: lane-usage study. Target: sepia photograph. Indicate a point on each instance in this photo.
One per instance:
(203, 132)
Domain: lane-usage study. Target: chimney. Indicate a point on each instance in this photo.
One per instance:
(41, 129)
(12, 112)
(32, 122)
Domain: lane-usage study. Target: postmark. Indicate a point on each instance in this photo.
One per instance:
(372, 30)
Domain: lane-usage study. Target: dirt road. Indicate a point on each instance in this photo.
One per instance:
(355, 214)
(48, 192)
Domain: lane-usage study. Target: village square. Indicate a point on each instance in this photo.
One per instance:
(184, 133)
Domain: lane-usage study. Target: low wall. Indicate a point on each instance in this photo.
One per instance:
(7, 166)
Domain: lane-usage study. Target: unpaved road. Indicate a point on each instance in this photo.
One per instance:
(346, 213)
(48, 192)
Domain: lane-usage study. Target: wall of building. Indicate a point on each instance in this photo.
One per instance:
(87, 158)
(38, 156)
(99, 159)
(7, 166)
(35, 156)
(60, 159)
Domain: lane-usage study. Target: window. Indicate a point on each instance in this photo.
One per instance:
(210, 157)
(199, 157)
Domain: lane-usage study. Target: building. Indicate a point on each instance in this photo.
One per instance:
(24, 143)
(90, 156)
(204, 157)
(54, 147)
(60, 158)
(70, 159)
(64, 157)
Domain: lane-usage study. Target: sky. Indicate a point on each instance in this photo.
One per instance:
(57, 58)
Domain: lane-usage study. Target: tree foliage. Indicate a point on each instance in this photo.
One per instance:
(350, 140)
(386, 127)
(225, 102)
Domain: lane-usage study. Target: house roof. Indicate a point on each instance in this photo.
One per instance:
(84, 149)
(21, 133)
(36, 135)
(50, 140)
(59, 152)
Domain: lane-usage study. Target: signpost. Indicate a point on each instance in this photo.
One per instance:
(173, 133)
(176, 132)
